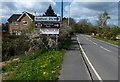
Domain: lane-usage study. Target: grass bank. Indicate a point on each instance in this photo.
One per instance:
(35, 66)
(107, 40)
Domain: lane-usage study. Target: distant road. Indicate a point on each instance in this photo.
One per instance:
(102, 55)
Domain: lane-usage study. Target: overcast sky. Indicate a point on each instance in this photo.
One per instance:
(78, 9)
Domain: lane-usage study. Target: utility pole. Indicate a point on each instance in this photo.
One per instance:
(35, 13)
(62, 10)
(69, 14)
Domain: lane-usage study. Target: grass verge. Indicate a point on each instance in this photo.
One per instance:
(35, 66)
(107, 40)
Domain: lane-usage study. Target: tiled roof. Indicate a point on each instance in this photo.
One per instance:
(14, 17)
(31, 15)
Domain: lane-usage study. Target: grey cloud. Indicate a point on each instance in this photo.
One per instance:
(39, 7)
(9, 5)
(99, 6)
(110, 7)
(93, 9)
(78, 9)
(9, 8)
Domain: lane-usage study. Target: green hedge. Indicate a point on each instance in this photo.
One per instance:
(11, 36)
(13, 45)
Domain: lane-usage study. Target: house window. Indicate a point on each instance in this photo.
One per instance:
(25, 22)
(16, 32)
(14, 23)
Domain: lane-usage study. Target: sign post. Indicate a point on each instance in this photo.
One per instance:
(49, 31)
(47, 19)
(48, 25)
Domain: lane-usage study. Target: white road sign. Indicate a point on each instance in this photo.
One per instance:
(46, 19)
(49, 31)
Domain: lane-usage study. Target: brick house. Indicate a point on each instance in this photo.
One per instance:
(18, 22)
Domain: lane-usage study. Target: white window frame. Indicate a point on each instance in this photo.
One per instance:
(17, 32)
(25, 21)
(14, 23)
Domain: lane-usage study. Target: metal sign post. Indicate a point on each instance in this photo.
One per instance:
(48, 25)
(47, 19)
(49, 31)
(57, 42)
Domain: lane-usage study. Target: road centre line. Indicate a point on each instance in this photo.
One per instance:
(86, 38)
(105, 49)
(107, 42)
(100, 46)
(94, 43)
(91, 41)
(98, 76)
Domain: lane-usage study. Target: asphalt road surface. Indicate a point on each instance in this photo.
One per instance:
(102, 55)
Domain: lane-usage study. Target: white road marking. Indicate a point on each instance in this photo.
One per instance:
(98, 76)
(91, 41)
(87, 38)
(94, 43)
(107, 42)
(105, 49)
(88, 35)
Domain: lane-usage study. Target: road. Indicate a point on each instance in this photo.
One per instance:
(102, 55)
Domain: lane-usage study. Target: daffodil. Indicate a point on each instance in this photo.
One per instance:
(42, 66)
(28, 75)
(53, 71)
(57, 66)
(45, 73)
(40, 70)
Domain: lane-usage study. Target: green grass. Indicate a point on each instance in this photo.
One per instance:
(35, 66)
(87, 33)
(107, 40)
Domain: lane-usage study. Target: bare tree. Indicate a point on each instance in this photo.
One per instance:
(103, 19)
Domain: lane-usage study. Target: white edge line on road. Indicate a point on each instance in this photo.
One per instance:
(105, 49)
(98, 76)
